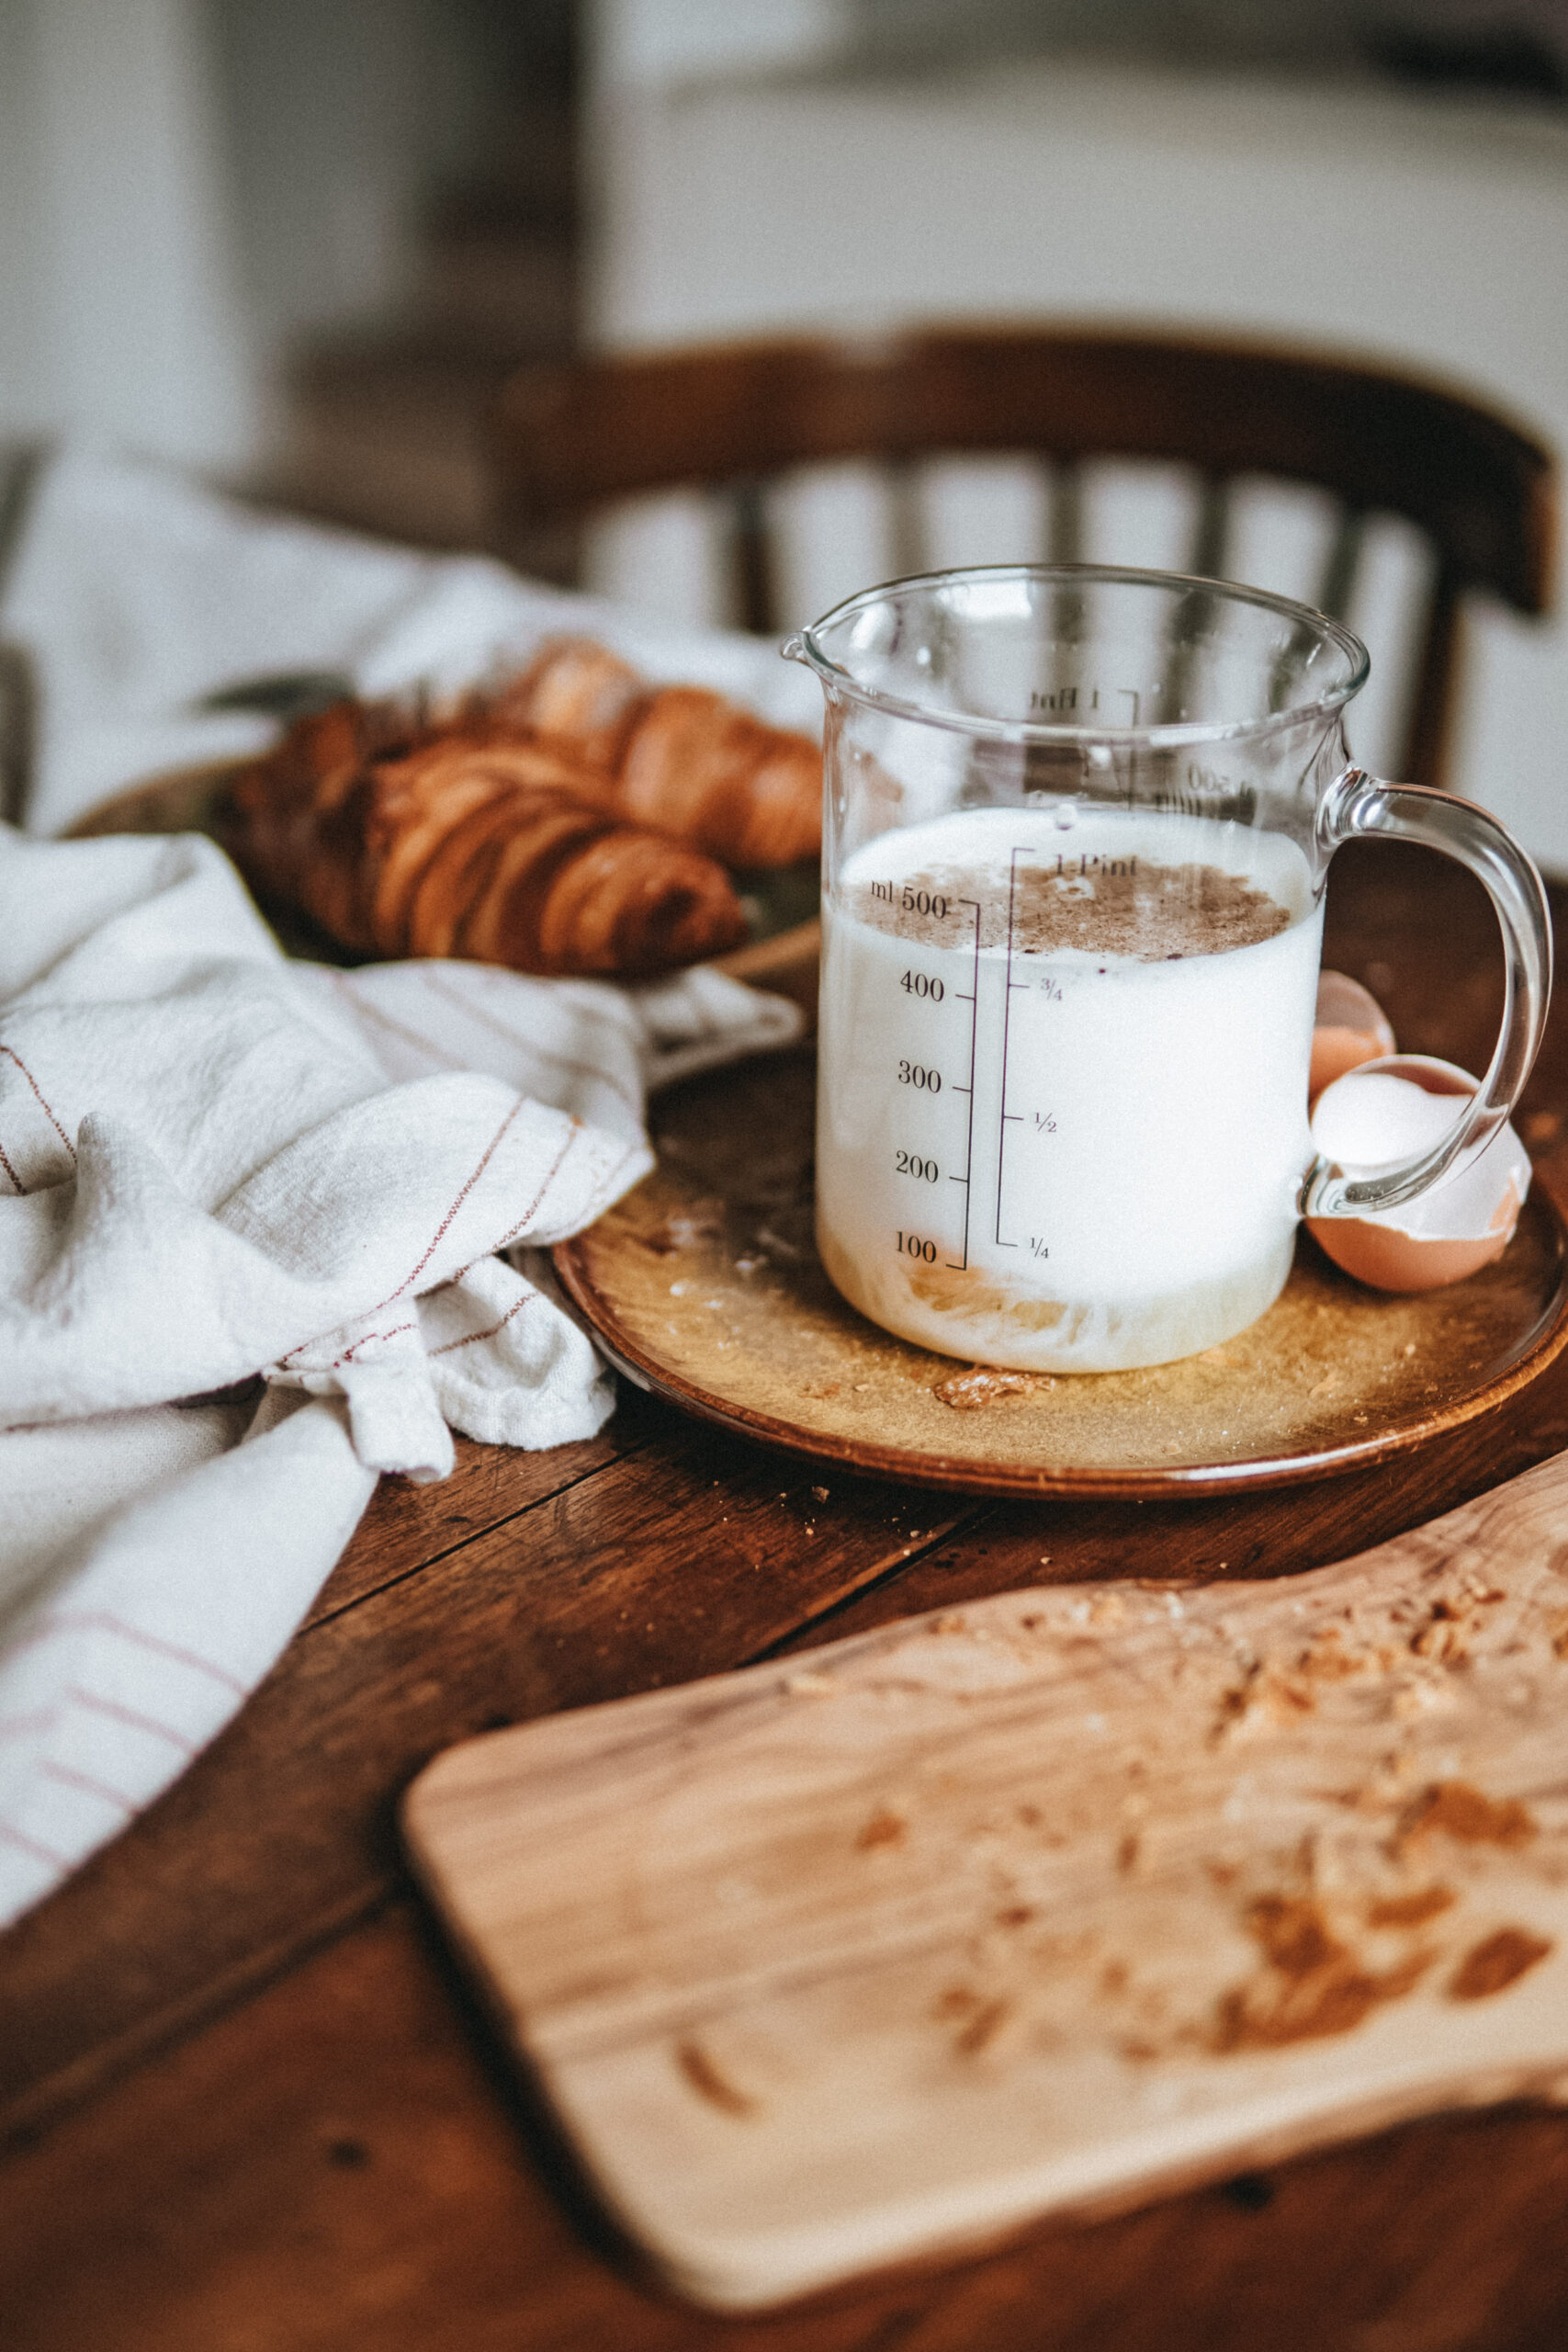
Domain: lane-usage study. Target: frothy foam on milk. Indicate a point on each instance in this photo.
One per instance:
(1095, 903)
(1062, 1123)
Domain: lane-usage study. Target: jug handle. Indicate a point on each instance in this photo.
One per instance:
(1359, 806)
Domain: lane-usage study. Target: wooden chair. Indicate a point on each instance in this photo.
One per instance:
(572, 440)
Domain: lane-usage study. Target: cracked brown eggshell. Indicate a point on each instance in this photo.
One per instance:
(1350, 1026)
(1380, 1113)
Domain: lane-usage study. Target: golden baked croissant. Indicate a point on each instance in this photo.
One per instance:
(683, 758)
(747, 793)
(469, 842)
(574, 688)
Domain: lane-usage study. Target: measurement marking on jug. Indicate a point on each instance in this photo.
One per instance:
(1008, 1118)
(1068, 702)
(973, 1004)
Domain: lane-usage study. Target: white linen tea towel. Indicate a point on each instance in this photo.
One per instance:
(215, 1163)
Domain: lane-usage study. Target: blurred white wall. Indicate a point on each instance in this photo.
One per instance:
(659, 44)
(119, 309)
(1419, 230)
(189, 186)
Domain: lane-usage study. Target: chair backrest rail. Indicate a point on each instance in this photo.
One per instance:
(736, 419)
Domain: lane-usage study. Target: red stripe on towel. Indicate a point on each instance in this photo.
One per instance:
(129, 1716)
(19, 1726)
(11, 1053)
(530, 1045)
(15, 1837)
(364, 1008)
(474, 1337)
(606, 1184)
(89, 1619)
(409, 1280)
(74, 1779)
(533, 1208)
(441, 1230)
(349, 1353)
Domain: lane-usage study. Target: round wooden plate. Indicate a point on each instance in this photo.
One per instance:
(705, 1286)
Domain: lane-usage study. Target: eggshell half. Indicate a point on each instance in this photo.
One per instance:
(1349, 1027)
(1376, 1116)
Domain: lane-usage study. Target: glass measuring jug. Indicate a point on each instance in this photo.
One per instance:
(1078, 827)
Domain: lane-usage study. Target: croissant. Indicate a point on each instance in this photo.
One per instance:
(746, 793)
(468, 843)
(574, 688)
(682, 758)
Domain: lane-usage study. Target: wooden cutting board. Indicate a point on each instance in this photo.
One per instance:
(1045, 1903)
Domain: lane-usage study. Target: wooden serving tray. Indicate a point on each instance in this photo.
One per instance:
(1047, 1904)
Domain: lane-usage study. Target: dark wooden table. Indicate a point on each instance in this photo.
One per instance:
(249, 2107)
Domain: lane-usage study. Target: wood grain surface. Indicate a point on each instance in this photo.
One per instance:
(249, 2108)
